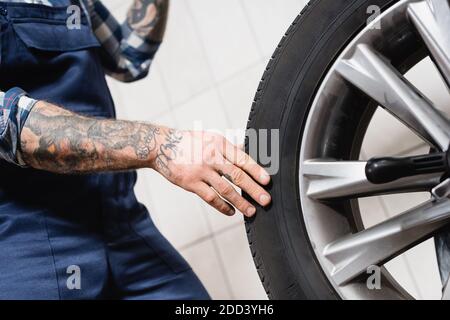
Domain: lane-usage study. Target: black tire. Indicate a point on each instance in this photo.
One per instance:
(277, 236)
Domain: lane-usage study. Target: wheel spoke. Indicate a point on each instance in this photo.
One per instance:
(347, 179)
(353, 254)
(376, 77)
(432, 20)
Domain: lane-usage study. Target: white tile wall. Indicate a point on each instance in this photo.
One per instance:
(241, 274)
(208, 69)
(182, 58)
(238, 93)
(225, 36)
(203, 256)
(268, 21)
(153, 99)
(203, 110)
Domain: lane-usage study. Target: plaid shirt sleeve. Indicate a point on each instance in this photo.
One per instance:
(15, 107)
(126, 56)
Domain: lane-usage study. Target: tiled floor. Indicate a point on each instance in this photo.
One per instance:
(207, 70)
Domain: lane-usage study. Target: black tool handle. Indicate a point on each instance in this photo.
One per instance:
(384, 170)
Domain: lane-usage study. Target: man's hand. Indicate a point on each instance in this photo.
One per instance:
(57, 140)
(209, 165)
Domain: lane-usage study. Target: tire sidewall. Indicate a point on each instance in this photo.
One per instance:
(278, 237)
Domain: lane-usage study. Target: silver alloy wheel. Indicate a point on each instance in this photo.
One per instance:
(345, 255)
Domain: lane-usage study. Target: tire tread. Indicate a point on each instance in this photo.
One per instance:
(254, 109)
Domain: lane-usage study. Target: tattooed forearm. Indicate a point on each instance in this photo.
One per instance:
(60, 141)
(149, 18)
(168, 151)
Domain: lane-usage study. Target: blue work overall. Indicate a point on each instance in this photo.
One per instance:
(79, 236)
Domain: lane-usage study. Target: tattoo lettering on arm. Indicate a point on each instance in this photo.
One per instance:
(148, 18)
(58, 140)
(168, 151)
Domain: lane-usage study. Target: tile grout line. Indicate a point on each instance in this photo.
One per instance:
(210, 235)
(165, 88)
(174, 106)
(228, 121)
(251, 28)
(208, 63)
(220, 259)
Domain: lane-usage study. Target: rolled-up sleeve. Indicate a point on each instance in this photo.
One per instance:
(15, 107)
(126, 56)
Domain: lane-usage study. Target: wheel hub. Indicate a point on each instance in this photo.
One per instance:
(332, 184)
